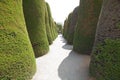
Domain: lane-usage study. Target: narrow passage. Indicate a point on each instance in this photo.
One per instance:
(61, 63)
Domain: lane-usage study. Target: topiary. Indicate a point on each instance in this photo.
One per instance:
(34, 11)
(89, 11)
(48, 30)
(72, 25)
(17, 61)
(105, 63)
(105, 59)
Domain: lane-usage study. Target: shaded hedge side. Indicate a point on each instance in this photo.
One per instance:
(34, 11)
(48, 30)
(67, 26)
(52, 23)
(85, 30)
(105, 59)
(65, 29)
(17, 61)
(72, 25)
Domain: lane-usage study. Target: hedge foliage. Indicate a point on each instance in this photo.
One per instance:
(72, 25)
(67, 26)
(48, 30)
(52, 24)
(86, 27)
(105, 63)
(105, 59)
(17, 61)
(34, 11)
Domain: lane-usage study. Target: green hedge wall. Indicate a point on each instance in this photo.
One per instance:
(51, 23)
(85, 31)
(17, 61)
(105, 59)
(34, 11)
(105, 63)
(72, 25)
(48, 30)
(65, 28)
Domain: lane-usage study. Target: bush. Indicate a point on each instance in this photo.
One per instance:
(87, 22)
(59, 28)
(51, 23)
(34, 11)
(105, 63)
(72, 25)
(48, 30)
(17, 61)
(105, 59)
(65, 28)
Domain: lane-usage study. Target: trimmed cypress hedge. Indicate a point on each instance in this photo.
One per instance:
(48, 30)
(105, 59)
(85, 30)
(34, 11)
(72, 25)
(65, 28)
(51, 23)
(17, 61)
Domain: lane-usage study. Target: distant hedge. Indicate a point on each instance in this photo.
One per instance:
(105, 59)
(34, 11)
(48, 30)
(52, 24)
(72, 25)
(17, 61)
(65, 28)
(87, 22)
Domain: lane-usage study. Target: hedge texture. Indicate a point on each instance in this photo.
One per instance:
(105, 60)
(17, 61)
(52, 24)
(72, 25)
(34, 11)
(65, 28)
(85, 31)
(48, 30)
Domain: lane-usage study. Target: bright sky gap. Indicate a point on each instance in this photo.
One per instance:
(60, 9)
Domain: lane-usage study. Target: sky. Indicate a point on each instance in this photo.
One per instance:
(60, 9)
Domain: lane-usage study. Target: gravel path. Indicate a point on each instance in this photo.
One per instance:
(61, 63)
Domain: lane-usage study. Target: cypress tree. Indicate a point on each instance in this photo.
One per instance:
(48, 30)
(34, 11)
(51, 23)
(72, 25)
(105, 60)
(17, 61)
(87, 22)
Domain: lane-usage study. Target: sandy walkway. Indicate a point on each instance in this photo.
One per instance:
(61, 63)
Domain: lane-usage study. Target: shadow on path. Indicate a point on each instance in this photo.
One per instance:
(74, 67)
(67, 47)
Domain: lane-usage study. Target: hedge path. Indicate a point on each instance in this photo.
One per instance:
(61, 63)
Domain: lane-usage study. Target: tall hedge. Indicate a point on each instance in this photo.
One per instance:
(85, 31)
(17, 61)
(34, 11)
(51, 23)
(72, 25)
(65, 28)
(48, 30)
(105, 60)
